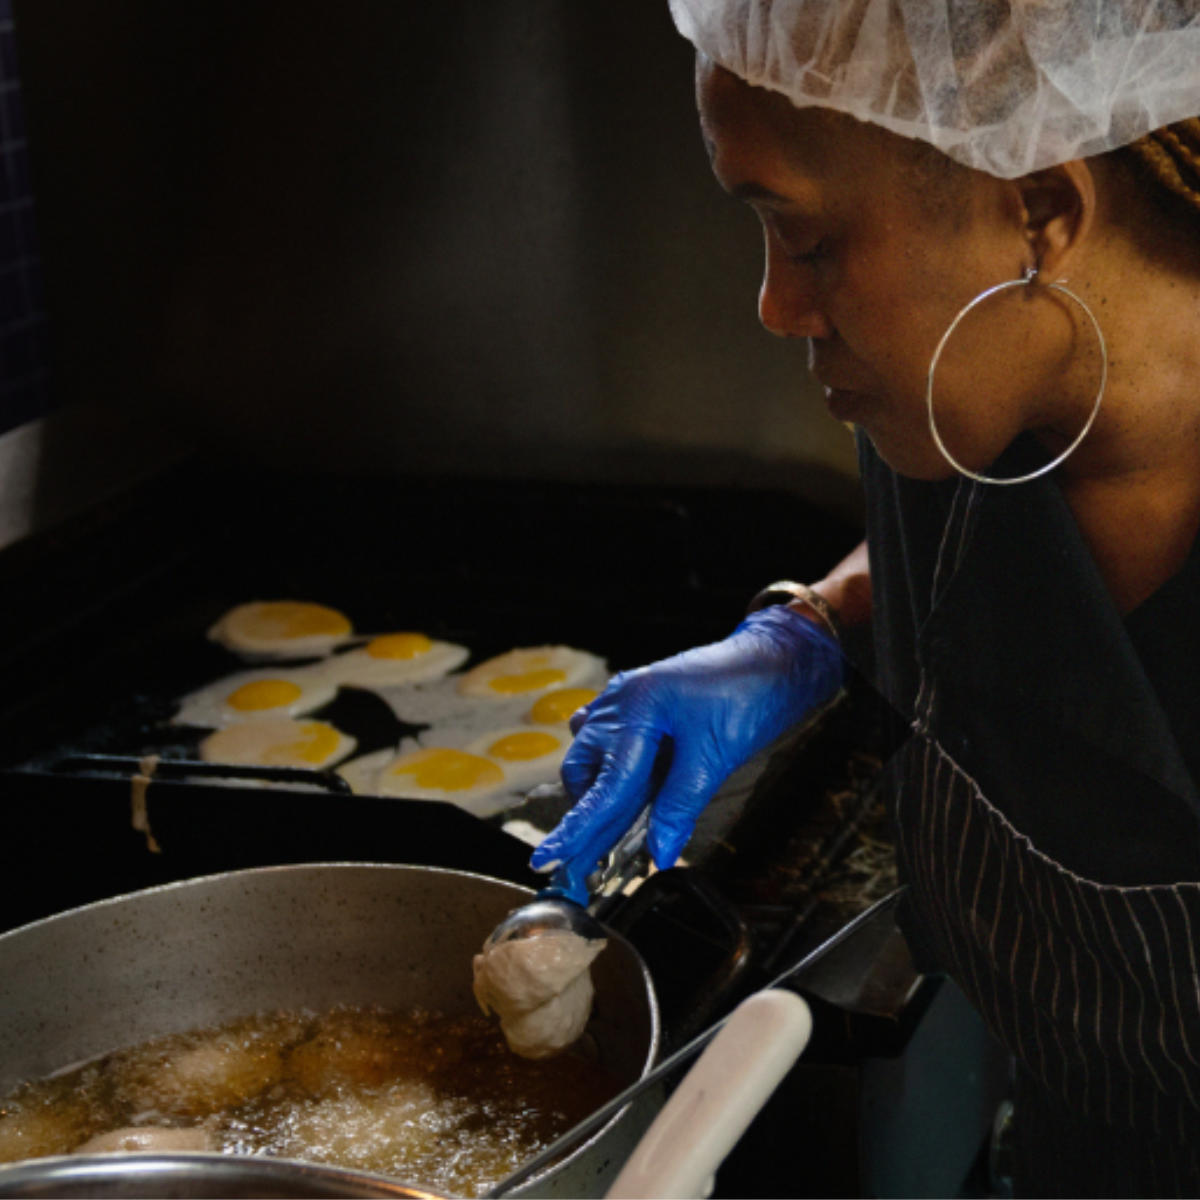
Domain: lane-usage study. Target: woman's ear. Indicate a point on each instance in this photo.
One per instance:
(1057, 209)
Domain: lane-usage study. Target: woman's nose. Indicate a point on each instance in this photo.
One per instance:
(787, 302)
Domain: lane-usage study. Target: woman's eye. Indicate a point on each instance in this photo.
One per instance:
(811, 256)
(796, 239)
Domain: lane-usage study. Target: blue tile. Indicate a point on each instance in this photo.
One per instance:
(8, 56)
(12, 114)
(8, 191)
(8, 235)
(13, 304)
(27, 238)
(18, 166)
(24, 329)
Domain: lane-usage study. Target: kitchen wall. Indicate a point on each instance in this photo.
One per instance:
(468, 237)
(23, 340)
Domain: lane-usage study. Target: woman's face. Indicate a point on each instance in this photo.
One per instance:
(871, 249)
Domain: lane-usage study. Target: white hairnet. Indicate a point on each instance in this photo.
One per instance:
(1006, 86)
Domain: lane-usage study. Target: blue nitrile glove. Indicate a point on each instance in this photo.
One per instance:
(685, 723)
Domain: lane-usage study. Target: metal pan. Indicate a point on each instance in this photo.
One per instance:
(164, 960)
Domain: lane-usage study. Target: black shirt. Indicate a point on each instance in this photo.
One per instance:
(1080, 726)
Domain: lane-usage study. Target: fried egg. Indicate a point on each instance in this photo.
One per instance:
(529, 670)
(468, 780)
(556, 707)
(390, 659)
(278, 742)
(254, 695)
(362, 773)
(465, 712)
(527, 755)
(281, 629)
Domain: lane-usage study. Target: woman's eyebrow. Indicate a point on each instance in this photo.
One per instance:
(749, 190)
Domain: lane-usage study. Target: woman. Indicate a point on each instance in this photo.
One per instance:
(1015, 333)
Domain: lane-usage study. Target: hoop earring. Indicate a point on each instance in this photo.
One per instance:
(1029, 278)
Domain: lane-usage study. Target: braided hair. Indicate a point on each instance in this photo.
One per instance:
(1170, 158)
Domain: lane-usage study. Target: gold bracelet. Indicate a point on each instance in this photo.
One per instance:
(785, 591)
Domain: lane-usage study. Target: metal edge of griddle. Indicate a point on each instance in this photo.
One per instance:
(151, 766)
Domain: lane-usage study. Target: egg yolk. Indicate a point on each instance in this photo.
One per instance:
(317, 743)
(556, 707)
(261, 694)
(296, 619)
(399, 645)
(521, 747)
(445, 770)
(526, 681)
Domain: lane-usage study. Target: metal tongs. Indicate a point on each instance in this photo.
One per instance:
(553, 910)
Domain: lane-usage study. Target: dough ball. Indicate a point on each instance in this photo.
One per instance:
(153, 1139)
(346, 1051)
(551, 1027)
(39, 1130)
(540, 987)
(352, 1130)
(217, 1072)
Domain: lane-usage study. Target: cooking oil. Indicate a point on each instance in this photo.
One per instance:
(435, 1101)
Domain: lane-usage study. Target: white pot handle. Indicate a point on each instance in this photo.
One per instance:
(717, 1099)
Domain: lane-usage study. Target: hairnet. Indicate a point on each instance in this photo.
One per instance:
(1005, 86)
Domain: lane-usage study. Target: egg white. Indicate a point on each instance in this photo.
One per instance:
(257, 630)
(524, 831)
(274, 742)
(208, 706)
(362, 773)
(524, 773)
(471, 718)
(458, 707)
(564, 666)
(363, 669)
(438, 701)
(482, 799)
(367, 775)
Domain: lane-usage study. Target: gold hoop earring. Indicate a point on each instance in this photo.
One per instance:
(1027, 280)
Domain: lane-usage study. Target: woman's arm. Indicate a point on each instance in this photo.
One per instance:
(847, 589)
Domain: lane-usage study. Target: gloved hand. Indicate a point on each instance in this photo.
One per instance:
(675, 730)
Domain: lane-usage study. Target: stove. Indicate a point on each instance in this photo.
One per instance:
(107, 622)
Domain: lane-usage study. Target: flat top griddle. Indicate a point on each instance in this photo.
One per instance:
(109, 626)
(106, 615)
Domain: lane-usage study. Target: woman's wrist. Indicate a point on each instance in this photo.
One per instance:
(840, 601)
(803, 600)
(847, 589)
(848, 597)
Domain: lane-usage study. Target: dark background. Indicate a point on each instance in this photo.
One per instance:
(477, 238)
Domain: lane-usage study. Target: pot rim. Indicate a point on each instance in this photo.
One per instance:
(163, 1174)
(241, 872)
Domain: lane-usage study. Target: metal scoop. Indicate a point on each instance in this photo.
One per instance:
(794, 975)
(552, 911)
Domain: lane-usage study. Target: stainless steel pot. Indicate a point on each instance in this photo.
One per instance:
(124, 1177)
(207, 950)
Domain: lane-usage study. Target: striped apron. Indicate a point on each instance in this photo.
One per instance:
(1093, 988)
